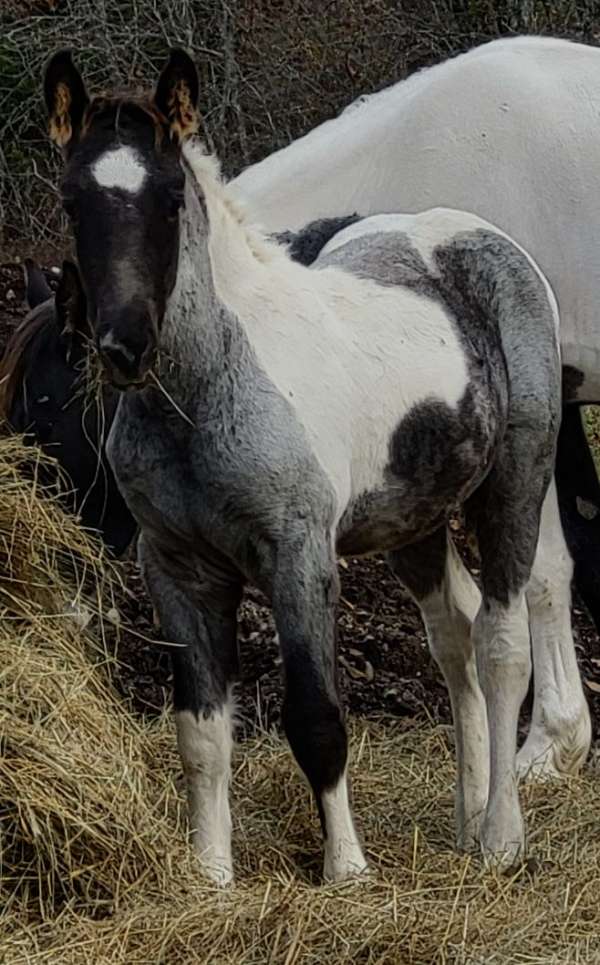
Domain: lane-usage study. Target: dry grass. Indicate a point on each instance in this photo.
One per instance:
(94, 864)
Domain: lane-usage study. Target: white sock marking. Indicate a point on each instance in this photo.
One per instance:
(343, 853)
(205, 745)
(120, 168)
(501, 635)
(448, 613)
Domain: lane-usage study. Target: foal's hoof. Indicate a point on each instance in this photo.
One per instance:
(468, 832)
(503, 856)
(467, 841)
(345, 869)
(503, 861)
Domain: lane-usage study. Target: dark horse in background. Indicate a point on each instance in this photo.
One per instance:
(44, 395)
(41, 394)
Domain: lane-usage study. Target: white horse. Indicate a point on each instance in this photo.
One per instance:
(510, 131)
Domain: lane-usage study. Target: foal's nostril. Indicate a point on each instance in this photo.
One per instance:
(117, 354)
(109, 345)
(124, 358)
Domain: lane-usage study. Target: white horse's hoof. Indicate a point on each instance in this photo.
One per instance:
(534, 764)
(551, 756)
(220, 874)
(217, 867)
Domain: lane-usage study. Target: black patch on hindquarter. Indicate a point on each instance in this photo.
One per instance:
(305, 245)
(437, 457)
(436, 450)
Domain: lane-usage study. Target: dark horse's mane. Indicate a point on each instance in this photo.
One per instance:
(11, 364)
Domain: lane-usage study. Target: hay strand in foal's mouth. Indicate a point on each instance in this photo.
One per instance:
(155, 379)
(94, 862)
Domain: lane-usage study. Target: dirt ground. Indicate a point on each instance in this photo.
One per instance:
(384, 661)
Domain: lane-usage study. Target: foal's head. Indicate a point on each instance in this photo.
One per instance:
(123, 189)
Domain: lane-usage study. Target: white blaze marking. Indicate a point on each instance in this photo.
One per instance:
(120, 168)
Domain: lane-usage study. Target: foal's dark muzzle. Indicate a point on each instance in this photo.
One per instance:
(127, 350)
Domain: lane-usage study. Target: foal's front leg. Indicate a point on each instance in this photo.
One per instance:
(305, 593)
(197, 609)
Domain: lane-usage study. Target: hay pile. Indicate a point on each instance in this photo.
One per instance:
(94, 866)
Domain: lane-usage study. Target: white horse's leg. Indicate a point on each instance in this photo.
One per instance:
(449, 600)
(560, 734)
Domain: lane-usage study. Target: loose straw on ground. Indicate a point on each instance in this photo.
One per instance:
(94, 863)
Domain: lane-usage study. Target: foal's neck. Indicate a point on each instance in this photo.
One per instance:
(199, 332)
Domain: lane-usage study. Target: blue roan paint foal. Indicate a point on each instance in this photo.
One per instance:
(295, 413)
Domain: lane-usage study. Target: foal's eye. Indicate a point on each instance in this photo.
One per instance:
(43, 399)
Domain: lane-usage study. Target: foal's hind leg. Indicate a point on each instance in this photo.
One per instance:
(304, 593)
(560, 734)
(508, 509)
(197, 610)
(449, 600)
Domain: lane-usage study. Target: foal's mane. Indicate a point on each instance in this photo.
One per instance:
(11, 364)
(204, 171)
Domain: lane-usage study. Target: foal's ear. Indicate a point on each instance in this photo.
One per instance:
(176, 94)
(70, 302)
(66, 99)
